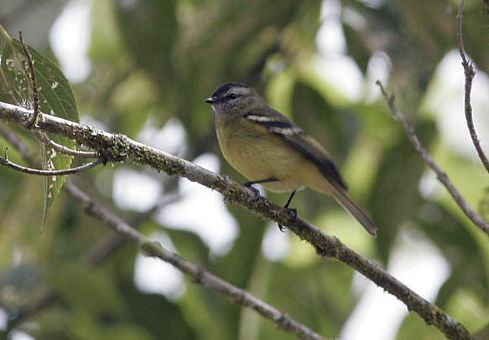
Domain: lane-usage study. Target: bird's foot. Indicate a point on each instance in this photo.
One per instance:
(293, 214)
(254, 190)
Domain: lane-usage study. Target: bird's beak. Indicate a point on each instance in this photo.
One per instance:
(211, 100)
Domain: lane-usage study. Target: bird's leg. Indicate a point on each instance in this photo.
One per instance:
(255, 191)
(291, 210)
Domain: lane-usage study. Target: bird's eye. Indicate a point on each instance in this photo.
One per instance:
(233, 96)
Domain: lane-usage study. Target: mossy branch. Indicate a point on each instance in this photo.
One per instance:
(120, 148)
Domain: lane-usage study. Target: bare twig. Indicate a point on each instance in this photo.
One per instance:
(6, 162)
(198, 274)
(116, 147)
(440, 174)
(103, 250)
(32, 75)
(65, 150)
(469, 72)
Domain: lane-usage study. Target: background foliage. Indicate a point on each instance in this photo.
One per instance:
(153, 62)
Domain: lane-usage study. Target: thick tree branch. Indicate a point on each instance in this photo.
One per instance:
(127, 232)
(469, 77)
(440, 174)
(114, 147)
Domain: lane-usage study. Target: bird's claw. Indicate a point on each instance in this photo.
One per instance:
(293, 214)
(254, 190)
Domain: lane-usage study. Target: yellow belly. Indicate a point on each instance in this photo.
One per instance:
(258, 155)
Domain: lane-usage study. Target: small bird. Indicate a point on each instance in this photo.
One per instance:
(267, 148)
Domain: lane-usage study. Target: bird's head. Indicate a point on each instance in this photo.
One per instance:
(235, 99)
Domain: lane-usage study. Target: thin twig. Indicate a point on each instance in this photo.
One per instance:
(469, 72)
(32, 76)
(110, 245)
(198, 274)
(65, 150)
(116, 147)
(440, 174)
(31, 171)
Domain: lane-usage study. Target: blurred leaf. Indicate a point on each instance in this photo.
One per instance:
(482, 333)
(333, 128)
(259, 284)
(134, 99)
(413, 327)
(84, 326)
(483, 207)
(9, 184)
(465, 174)
(458, 247)
(90, 290)
(323, 302)
(203, 310)
(106, 44)
(414, 36)
(476, 16)
(357, 47)
(465, 307)
(17, 286)
(189, 245)
(155, 314)
(120, 332)
(149, 29)
(430, 24)
(395, 198)
(239, 263)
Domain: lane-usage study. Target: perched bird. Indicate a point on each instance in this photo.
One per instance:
(268, 148)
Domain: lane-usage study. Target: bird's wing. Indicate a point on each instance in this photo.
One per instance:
(290, 133)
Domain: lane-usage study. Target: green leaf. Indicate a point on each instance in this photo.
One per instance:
(54, 94)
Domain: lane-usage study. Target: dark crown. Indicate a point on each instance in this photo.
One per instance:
(224, 88)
